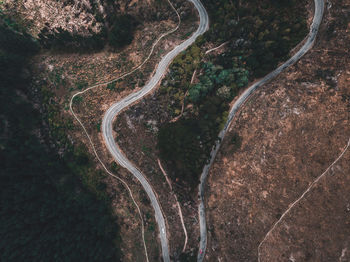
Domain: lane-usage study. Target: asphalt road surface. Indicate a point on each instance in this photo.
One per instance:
(116, 108)
(319, 8)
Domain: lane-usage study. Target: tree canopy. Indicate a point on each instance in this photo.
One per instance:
(258, 35)
(47, 211)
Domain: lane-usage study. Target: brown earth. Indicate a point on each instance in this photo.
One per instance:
(318, 228)
(290, 131)
(284, 149)
(81, 17)
(62, 74)
(136, 131)
(91, 112)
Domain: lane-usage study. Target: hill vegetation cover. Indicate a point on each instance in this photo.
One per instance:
(53, 207)
(258, 35)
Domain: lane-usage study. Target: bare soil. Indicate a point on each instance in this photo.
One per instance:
(291, 130)
(62, 74)
(136, 131)
(81, 17)
(317, 229)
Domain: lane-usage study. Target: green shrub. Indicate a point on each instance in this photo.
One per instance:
(53, 207)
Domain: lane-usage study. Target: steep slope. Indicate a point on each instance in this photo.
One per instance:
(288, 134)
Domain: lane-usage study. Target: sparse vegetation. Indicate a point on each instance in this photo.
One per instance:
(52, 206)
(81, 85)
(62, 39)
(111, 86)
(260, 34)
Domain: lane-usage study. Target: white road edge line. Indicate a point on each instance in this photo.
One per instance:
(90, 140)
(115, 109)
(310, 40)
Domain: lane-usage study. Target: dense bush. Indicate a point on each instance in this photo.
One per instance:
(120, 34)
(264, 30)
(66, 41)
(259, 34)
(122, 31)
(186, 144)
(180, 146)
(52, 208)
(220, 80)
(16, 43)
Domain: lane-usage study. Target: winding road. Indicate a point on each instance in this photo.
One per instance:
(116, 108)
(310, 40)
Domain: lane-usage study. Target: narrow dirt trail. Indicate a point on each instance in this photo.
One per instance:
(89, 138)
(116, 108)
(309, 41)
(301, 197)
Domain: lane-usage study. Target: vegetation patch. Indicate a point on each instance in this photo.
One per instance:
(52, 205)
(122, 31)
(259, 35)
(61, 39)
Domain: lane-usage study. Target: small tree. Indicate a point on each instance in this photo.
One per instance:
(111, 86)
(224, 93)
(194, 93)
